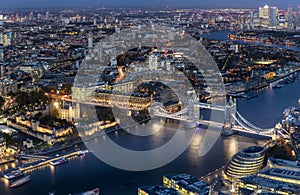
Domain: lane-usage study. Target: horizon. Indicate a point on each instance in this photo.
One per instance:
(230, 4)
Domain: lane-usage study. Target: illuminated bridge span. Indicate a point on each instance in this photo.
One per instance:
(233, 119)
(211, 106)
(246, 125)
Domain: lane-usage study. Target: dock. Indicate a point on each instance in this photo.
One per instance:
(44, 162)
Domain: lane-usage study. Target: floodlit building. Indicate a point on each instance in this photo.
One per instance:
(248, 161)
(284, 175)
(67, 112)
(186, 184)
(283, 164)
(254, 183)
(264, 12)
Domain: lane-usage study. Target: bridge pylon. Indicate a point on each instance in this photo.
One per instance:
(230, 111)
(192, 112)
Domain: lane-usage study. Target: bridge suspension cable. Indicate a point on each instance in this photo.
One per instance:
(250, 127)
(239, 116)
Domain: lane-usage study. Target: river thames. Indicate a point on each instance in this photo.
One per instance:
(88, 172)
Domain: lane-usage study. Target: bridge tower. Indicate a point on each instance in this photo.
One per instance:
(230, 111)
(192, 111)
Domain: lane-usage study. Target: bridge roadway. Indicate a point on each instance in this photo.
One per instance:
(210, 106)
(235, 128)
(242, 124)
(217, 124)
(181, 117)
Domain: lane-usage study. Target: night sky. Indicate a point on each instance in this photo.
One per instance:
(151, 3)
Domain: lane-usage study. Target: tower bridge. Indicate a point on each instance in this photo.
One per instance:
(233, 120)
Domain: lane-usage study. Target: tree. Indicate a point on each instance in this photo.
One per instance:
(54, 113)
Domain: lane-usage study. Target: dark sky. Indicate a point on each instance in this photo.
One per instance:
(143, 3)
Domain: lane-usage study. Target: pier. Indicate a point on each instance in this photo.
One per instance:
(43, 162)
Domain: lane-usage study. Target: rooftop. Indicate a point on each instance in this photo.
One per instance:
(190, 183)
(7, 130)
(159, 190)
(253, 150)
(285, 173)
(270, 183)
(285, 163)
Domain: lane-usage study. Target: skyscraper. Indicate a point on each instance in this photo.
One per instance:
(290, 18)
(264, 12)
(90, 40)
(251, 19)
(273, 17)
(297, 20)
(282, 21)
(1, 21)
(264, 16)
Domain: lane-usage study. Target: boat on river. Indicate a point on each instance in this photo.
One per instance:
(58, 161)
(13, 174)
(95, 191)
(20, 182)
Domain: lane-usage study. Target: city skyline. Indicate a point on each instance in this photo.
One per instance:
(154, 3)
(149, 98)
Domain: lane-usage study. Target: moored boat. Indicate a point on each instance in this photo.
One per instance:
(95, 191)
(59, 161)
(20, 182)
(83, 152)
(12, 175)
(279, 85)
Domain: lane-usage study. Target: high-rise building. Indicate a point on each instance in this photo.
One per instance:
(1, 21)
(47, 15)
(264, 12)
(90, 40)
(251, 19)
(290, 18)
(282, 21)
(273, 17)
(297, 20)
(264, 16)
